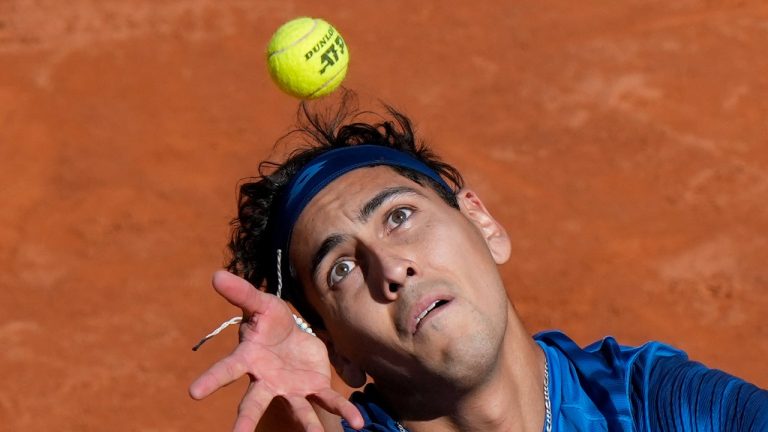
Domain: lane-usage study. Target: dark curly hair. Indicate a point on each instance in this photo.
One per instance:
(252, 254)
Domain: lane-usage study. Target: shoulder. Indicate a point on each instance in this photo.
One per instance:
(595, 387)
(606, 353)
(653, 386)
(606, 360)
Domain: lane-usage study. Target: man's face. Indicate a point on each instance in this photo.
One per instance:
(406, 285)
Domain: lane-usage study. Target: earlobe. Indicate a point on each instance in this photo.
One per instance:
(352, 375)
(494, 234)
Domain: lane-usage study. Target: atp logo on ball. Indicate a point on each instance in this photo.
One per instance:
(307, 58)
(331, 54)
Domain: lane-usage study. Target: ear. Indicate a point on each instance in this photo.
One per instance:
(352, 375)
(494, 234)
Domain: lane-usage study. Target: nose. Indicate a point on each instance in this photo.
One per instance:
(396, 270)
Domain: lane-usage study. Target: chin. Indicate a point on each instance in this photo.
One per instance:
(469, 359)
(472, 362)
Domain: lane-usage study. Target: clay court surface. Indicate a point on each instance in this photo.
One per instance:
(624, 145)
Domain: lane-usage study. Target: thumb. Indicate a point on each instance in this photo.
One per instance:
(241, 293)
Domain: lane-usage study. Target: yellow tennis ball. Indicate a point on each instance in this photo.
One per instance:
(307, 58)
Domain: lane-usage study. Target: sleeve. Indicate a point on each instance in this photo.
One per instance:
(683, 395)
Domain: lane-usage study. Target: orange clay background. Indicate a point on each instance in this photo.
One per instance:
(624, 145)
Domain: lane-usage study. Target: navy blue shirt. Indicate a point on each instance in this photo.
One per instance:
(609, 387)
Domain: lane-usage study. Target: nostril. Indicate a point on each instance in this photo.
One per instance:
(411, 271)
(393, 287)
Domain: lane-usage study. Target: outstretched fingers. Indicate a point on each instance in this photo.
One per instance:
(304, 414)
(222, 373)
(252, 407)
(333, 402)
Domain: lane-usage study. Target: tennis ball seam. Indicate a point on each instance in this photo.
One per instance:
(327, 82)
(297, 41)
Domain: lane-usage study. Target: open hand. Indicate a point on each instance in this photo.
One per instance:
(280, 359)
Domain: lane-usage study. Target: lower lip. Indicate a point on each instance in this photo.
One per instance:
(434, 312)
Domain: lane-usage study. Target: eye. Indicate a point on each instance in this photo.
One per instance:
(398, 217)
(339, 271)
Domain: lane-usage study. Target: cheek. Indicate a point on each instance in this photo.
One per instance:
(356, 329)
(452, 244)
(352, 308)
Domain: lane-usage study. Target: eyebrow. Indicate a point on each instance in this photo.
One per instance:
(333, 240)
(374, 203)
(328, 244)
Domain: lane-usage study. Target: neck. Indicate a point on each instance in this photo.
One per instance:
(510, 398)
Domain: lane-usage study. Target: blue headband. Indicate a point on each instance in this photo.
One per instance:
(329, 166)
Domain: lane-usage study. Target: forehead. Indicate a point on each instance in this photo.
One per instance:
(345, 195)
(335, 208)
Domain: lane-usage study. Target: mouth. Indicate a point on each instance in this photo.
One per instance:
(428, 311)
